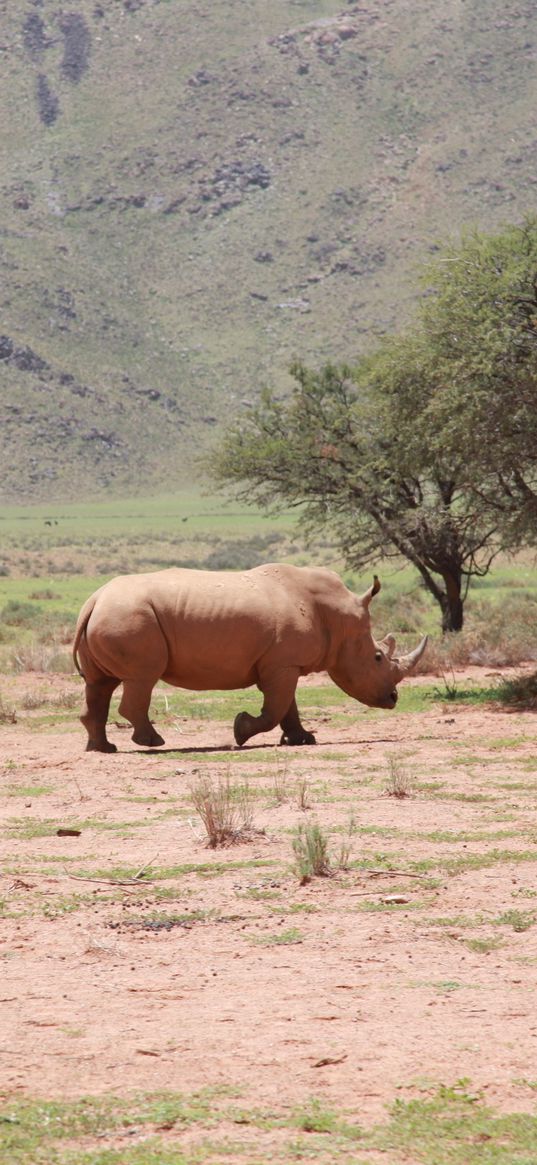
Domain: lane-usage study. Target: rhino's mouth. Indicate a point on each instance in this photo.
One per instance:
(392, 698)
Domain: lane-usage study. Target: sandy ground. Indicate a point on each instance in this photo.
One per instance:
(281, 990)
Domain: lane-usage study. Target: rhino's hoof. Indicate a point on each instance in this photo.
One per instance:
(242, 729)
(148, 739)
(94, 746)
(297, 738)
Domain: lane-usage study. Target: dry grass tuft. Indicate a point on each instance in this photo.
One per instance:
(225, 810)
(302, 791)
(42, 698)
(399, 782)
(40, 657)
(7, 715)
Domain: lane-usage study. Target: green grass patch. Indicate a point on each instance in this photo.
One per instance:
(483, 946)
(28, 790)
(455, 1128)
(282, 938)
(165, 873)
(459, 864)
(519, 920)
(449, 1125)
(28, 828)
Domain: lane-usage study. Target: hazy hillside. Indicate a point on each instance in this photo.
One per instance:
(195, 191)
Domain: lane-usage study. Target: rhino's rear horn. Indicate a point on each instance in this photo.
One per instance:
(374, 590)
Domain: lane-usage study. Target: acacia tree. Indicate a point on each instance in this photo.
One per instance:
(428, 448)
(336, 449)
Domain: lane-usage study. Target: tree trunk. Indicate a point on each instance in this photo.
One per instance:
(452, 612)
(448, 597)
(452, 606)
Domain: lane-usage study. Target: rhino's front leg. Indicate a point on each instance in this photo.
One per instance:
(278, 690)
(293, 730)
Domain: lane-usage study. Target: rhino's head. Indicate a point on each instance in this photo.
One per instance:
(368, 670)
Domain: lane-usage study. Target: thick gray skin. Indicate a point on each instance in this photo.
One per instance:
(206, 630)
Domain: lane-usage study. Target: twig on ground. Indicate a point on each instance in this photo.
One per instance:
(111, 881)
(394, 874)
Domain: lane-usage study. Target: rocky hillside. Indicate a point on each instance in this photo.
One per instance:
(194, 193)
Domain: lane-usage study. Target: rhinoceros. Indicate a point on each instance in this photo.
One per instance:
(223, 630)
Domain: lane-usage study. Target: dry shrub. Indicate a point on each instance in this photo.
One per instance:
(520, 693)
(29, 701)
(399, 782)
(495, 634)
(225, 810)
(40, 657)
(499, 635)
(43, 699)
(7, 715)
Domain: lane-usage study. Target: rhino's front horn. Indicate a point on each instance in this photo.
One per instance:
(408, 662)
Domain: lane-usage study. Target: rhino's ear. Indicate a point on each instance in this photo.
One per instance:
(374, 590)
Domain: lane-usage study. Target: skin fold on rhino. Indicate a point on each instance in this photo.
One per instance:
(207, 630)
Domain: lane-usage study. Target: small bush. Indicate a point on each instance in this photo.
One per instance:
(311, 853)
(20, 614)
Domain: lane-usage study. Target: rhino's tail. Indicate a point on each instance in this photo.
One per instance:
(82, 622)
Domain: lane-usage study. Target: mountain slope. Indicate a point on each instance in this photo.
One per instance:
(193, 193)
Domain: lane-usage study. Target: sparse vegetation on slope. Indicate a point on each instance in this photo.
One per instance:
(194, 194)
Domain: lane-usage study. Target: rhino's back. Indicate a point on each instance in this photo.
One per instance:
(217, 625)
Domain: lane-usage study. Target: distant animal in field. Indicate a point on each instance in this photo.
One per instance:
(224, 630)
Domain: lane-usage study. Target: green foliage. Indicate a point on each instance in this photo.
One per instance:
(479, 329)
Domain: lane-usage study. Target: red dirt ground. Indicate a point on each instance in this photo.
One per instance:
(282, 990)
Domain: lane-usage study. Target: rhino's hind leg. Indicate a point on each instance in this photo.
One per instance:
(293, 731)
(134, 707)
(95, 714)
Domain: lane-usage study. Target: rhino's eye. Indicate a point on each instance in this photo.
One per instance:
(378, 656)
